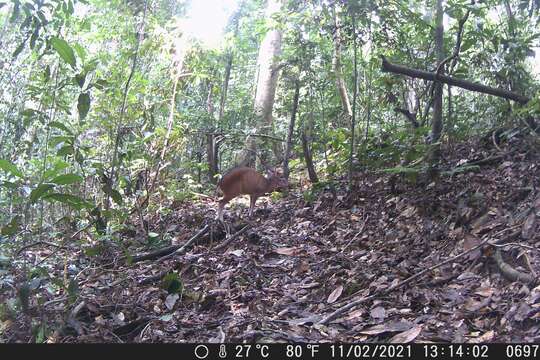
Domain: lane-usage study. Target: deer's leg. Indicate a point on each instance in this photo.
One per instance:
(221, 205)
(252, 199)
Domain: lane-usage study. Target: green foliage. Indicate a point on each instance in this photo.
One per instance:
(67, 179)
(71, 200)
(10, 168)
(316, 189)
(172, 283)
(83, 105)
(64, 50)
(40, 191)
(12, 227)
(461, 170)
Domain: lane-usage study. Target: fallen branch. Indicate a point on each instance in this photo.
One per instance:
(232, 237)
(184, 247)
(510, 273)
(464, 84)
(161, 253)
(486, 161)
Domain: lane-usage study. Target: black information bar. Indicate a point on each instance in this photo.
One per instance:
(284, 351)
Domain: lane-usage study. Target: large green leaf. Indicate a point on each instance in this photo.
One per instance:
(65, 150)
(64, 50)
(59, 125)
(16, 11)
(80, 79)
(71, 200)
(55, 140)
(19, 49)
(9, 167)
(9, 185)
(59, 165)
(117, 197)
(67, 179)
(83, 105)
(40, 191)
(12, 227)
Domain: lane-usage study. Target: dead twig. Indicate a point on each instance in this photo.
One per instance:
(357, 234)
(165, 253)
(184, 247)
(353, 304)
(232, 237)
(528, 247)
(39, 243)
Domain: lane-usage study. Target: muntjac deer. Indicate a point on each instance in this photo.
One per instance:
(247, 181)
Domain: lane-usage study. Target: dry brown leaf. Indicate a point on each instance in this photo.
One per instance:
(485, 291)
(378, 313)
(335, 294)
(287, 251)
(407, 336)
(388, 327)
(408, 212)
(528, 229)
(355, 314)
(171, 300)
(486, 337)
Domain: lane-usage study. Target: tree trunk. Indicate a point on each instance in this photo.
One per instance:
(437, 124)
(336, 63)
(211, 155)
(288, 145)
(225, 87)
(355, 94)
(267, 77)
(228, 67)
(307, 156)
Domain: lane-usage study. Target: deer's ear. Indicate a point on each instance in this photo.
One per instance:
(270, 172)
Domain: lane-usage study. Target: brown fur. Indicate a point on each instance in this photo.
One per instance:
(247, 181)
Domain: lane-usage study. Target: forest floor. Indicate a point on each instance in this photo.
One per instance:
(299, 261)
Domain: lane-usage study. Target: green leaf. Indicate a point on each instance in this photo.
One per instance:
(100, 84)
(9, 185)
(83, 105)
(18, 49)
(93, 250)
(79, 157)
(172, 283)
(47, 74)
(70, 7)
(67, 179)
(73, 291)
(59, 125)
(64, 50)
(80, 79)
(39, 192)
(68, 199)
(34, 37)
(9, 167)
(16, 11)
(58, 166)
(116, 196)
(55, 140)
(65, 150)
(12, 227)
(81, 53)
